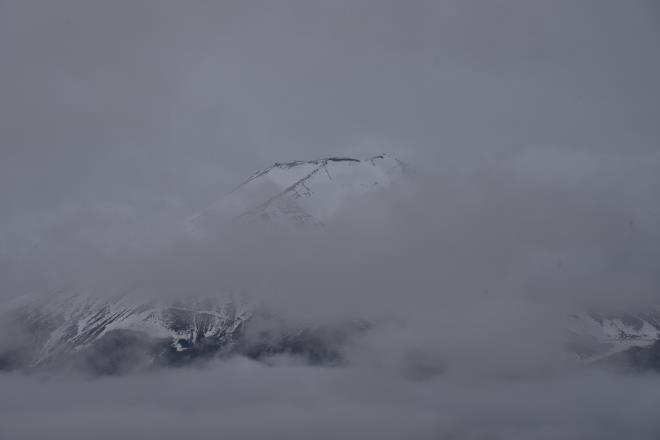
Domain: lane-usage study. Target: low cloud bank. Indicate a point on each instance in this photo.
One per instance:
(244, 400)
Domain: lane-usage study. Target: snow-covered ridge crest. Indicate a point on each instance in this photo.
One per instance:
(61, 322)
(303, 193)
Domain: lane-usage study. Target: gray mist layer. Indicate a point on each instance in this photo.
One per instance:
(531, 133)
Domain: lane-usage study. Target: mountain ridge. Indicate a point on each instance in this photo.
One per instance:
(172, 331)
(61, 326)
(285, 190)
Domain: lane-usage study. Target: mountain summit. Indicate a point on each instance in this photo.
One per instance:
(302, 193)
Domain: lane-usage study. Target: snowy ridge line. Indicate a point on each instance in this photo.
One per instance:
(264, 204)
(297, 181)
(190, 222)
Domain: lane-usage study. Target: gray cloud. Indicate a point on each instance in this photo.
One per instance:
(128, 101)
(240, 399)
(531, 134)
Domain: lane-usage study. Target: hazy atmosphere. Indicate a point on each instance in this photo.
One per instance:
(529, 136)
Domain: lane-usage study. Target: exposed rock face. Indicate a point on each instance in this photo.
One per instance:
(616, 337)
(118, 335)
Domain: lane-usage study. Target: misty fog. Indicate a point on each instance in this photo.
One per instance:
(529, 131)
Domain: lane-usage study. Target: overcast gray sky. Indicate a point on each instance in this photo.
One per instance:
(129, 101)
(119, 119)
(531, 128)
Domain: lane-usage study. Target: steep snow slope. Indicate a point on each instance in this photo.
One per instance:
(303, 194)
(113, 335)
(61, 323)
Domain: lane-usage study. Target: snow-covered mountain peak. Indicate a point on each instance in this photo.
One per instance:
(64, 327)
(303, 193)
